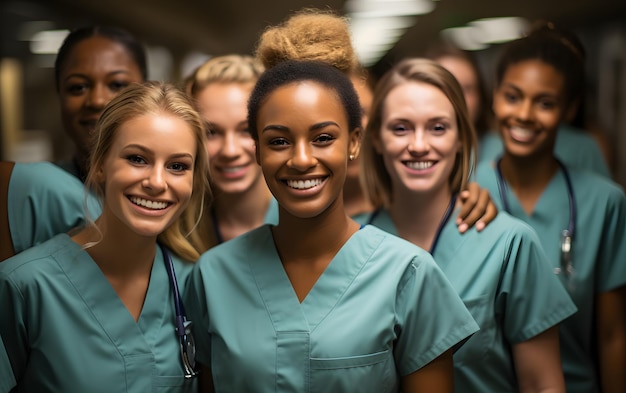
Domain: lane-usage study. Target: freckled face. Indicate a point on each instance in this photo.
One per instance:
(529, 104)
(95, 71)
(230, 146)
(419, 138)
(148, 174)
(304, 145)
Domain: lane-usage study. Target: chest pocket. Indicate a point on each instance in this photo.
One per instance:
(369, 373)
(477, 347)
(178, 384)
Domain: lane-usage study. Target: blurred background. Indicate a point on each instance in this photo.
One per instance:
(181, 34)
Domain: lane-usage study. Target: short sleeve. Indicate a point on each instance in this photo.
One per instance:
(197, 312)
(612, 258)
(13, 327)
(44, 201)
(431, 316)
(531, 297)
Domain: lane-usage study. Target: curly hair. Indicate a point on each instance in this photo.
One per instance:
(310, 34)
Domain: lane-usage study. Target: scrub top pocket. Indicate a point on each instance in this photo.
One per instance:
(178, 384)
(476, 348)
(366, 373)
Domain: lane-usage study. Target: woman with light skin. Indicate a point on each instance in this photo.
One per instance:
(416, 156)
(221, 88)
(580, 217)
(98, 310)
(322, 304)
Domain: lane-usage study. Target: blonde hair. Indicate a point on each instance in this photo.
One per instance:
(376, 181)
(312, 35)
(224, 69)
(138, 100)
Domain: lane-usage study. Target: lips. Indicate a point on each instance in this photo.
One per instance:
(305, 184)
(148, 204)
(521, 134)
(419, 165)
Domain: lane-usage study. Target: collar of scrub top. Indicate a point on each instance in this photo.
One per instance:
(442, 224)
(567, 235)
(183, 326)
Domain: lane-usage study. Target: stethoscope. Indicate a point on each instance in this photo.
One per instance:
(183, 326)
(567, 235)
(442, 224)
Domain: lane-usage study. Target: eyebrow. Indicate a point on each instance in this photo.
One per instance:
(314, 127)
(80, 75)
(542, 94)
(146, 150)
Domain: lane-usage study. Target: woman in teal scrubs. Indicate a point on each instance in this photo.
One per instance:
(94, 311)
(537, 77)
(221, 88)
(416, 156)
(7, 380)
(317, 303)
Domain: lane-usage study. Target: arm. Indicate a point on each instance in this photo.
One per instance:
(538, 363)
(435, 377)
(6, 242)
(477, 208)
(206, 380)
(611, 338)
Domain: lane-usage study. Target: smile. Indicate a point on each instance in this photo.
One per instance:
(522, 134)
(154, 205)
(232, 169)
(419, 165)
(304, 184)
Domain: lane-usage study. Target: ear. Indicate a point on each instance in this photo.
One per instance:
(355, 142)
(100, 176)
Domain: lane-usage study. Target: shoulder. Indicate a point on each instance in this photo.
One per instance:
(240, 248)
(592, 185)
(392, 250)
(43, 172)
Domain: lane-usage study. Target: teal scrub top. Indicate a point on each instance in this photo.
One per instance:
(43, 201)
(7, 380)
(599, 252)
(575, 147)
(373, 315)
(271, 217)
(66, 330)
(503, 276)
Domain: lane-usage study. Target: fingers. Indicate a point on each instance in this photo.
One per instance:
(477, 208)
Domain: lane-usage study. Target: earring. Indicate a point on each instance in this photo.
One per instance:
(351, 157)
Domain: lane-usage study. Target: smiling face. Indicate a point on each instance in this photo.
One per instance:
(304, 145)
(147, 174)
(96, 70)
(529, 104)
(419, 138)
(230, 146)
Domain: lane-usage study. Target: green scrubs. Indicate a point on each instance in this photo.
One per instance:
(503, 276)
(375, 314)
(599, 252)
(574, 147)
(66, 330)
(7, 380)
(43, 201)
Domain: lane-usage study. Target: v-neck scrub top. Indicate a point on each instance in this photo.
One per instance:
(374, 314)
(66, 330)
(503, 276)
(44, 201)
(598, 255)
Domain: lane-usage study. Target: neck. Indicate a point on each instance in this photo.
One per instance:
(354, 200)
(312, 239)
(118, 253)
(417, 215)
(239, 213)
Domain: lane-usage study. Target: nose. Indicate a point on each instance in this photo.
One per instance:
(419, 143)
(98, 96)
(302, 158)
(524, 111)
(231, 146)
(155, 182)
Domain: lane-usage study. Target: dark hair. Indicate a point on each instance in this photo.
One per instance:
(115, 34)
(289, 72)
(558, 48)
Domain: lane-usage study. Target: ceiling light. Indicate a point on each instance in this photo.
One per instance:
(47, 41)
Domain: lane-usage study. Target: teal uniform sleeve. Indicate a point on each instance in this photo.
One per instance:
(44, 201)
(426, 294)
(612, 256)
(7, 380)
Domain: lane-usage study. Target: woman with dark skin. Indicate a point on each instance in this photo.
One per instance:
(93, 65)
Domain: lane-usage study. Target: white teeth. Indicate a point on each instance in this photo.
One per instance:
(148, 204)
(419, 164)
(304, 184)
(522, 133)
(231, 169)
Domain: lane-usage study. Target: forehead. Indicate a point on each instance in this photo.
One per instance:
(99, 52)
(411, 98)
(303, 96)
(534, 75)
(159, 129)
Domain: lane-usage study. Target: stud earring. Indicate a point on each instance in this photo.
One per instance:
(351, 157)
